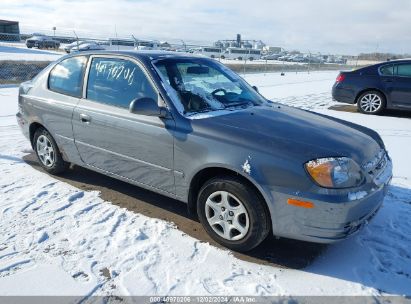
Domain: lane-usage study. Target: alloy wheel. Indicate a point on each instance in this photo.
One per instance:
(371, 103)
(227, 215)
(45, 151)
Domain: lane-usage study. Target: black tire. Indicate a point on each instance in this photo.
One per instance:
(258, 216)
(59, 165)
(362, 104)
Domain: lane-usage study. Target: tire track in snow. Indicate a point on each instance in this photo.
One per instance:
(71, 200)
(34, 200)
(14, 265)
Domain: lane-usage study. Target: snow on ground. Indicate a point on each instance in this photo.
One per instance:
(12, 52)
(59, 240)
(294, 84)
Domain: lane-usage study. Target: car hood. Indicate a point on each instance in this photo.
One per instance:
(294, 132)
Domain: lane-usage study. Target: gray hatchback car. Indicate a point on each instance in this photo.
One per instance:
(191, 129)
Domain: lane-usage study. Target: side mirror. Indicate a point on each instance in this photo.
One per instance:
(255, 88)
(147, 106)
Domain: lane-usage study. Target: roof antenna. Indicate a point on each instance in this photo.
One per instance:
(75, 34)
(136, 42)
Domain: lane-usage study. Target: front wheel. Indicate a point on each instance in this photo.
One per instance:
(232, 213)
(48, 153)
(371, 102)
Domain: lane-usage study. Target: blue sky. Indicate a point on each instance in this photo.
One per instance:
(329, 26)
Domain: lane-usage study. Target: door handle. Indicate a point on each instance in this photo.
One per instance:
(388, 80)
(85, 118)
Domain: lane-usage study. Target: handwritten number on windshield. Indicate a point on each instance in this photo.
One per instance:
(115, 72)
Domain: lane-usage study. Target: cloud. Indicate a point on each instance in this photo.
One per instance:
(309, 25)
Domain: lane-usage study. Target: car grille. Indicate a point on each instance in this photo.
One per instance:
(379, 167)
(376, 164)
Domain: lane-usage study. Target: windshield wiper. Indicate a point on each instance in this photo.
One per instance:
(238, 104)
(199, 111)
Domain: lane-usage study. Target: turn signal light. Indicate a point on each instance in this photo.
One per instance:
(299, 203)
(321, 173)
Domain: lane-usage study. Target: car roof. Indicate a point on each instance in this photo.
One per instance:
(375, 67)
(395, 61)
(143, 54)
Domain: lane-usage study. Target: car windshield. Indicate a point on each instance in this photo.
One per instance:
(204, 85)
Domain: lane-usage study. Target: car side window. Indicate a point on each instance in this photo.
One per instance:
(404, 70)
(67, 76)
(117, 82)
(387, 70)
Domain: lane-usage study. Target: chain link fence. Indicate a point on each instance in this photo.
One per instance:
(15, 72)
(20, 62)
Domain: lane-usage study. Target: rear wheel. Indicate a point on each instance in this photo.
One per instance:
(48, 153)
(232, 213)
(371, 102)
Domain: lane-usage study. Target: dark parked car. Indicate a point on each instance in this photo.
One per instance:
(375, 88)
(191, 129)
(42, 42)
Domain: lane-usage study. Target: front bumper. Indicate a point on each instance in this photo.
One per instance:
(334, 217)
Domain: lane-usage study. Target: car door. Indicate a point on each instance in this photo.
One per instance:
(386, 73)
(401, 91)
(111, 138)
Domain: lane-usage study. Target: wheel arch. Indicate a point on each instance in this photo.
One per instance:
(370, 89)
(34, 126)
(205, 174)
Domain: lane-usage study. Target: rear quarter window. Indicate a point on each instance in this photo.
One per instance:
(387, 70)
(67, 76)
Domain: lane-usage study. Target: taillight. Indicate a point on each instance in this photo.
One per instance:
(340, 78)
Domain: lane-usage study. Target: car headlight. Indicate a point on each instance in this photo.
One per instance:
(338, 172)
